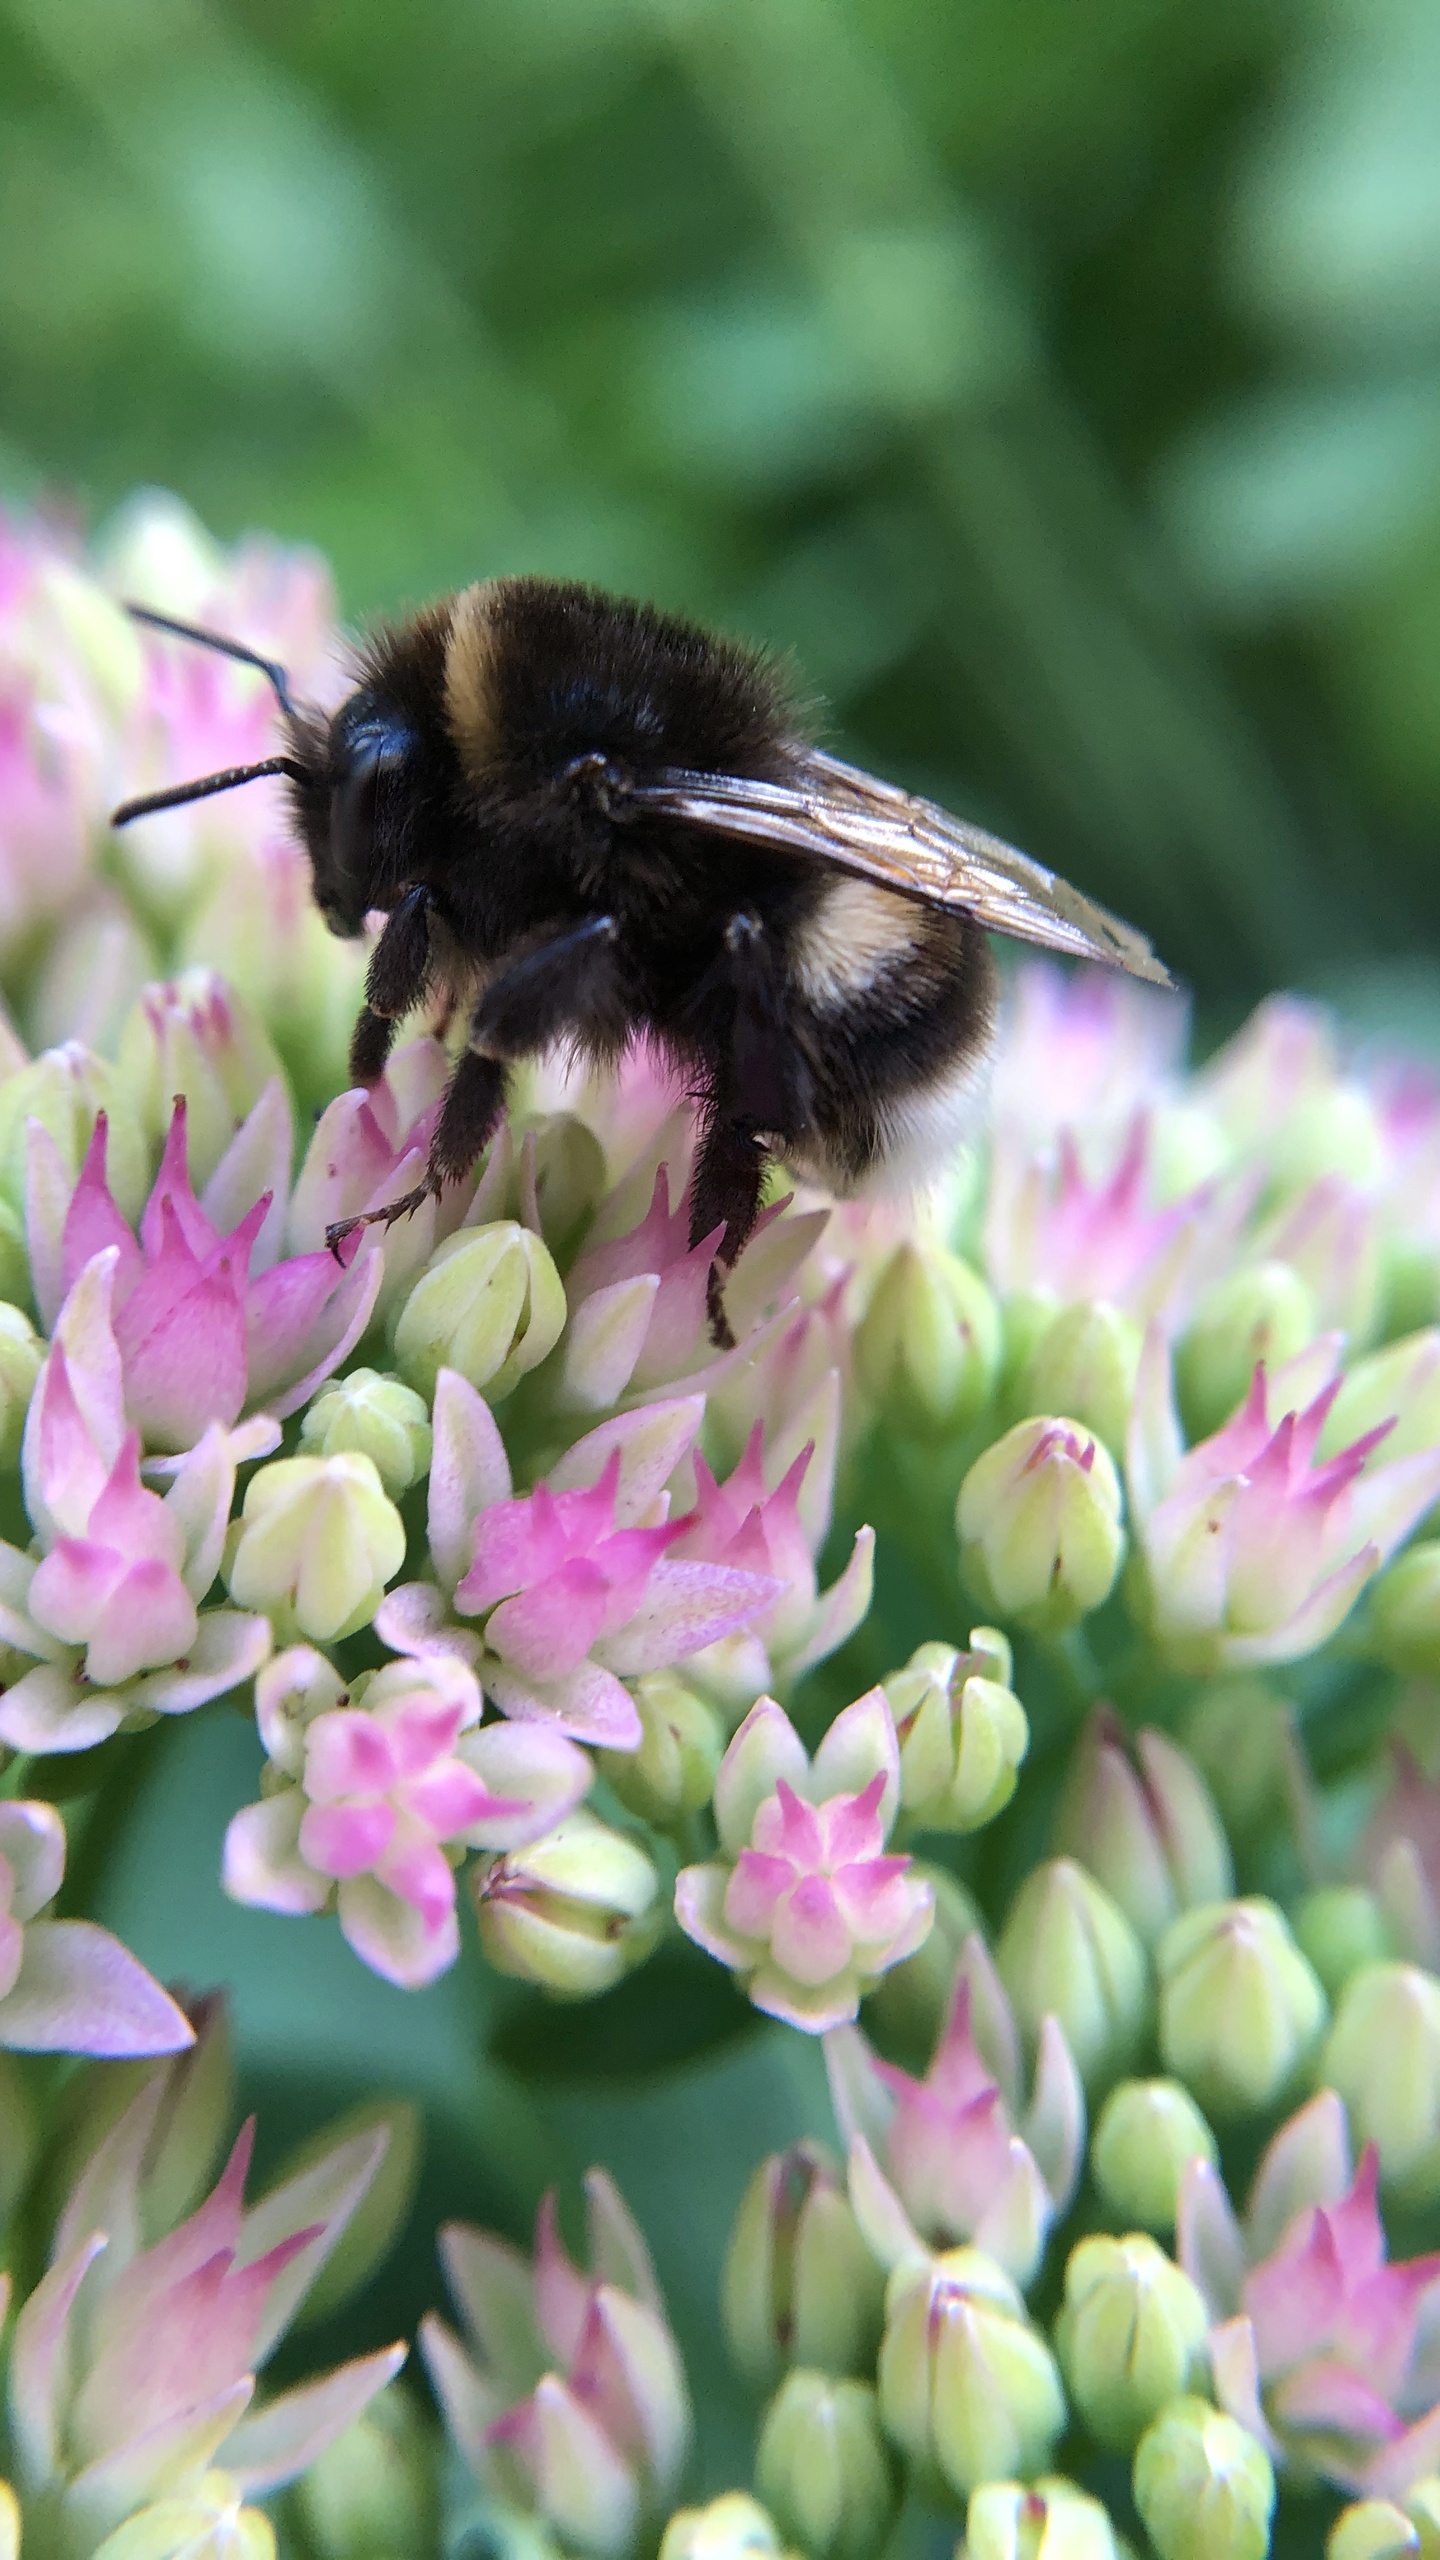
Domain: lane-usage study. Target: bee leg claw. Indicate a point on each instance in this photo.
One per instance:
(404, 1207)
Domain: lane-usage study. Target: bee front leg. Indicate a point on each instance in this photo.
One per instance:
(469, 1117)
(396, 980)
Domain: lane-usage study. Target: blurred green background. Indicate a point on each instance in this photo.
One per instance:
(1060, 383)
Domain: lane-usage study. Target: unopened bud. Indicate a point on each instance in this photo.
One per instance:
(733, 2527)
(1373, 2530)
(1068, 1951)
(1241, 2010)
(1046, 2520)
(1148, 2130)
(822, 2467)
(381, 1417)
(1039, 1524)
(968, 2389)
(570, 1177)
(1204, 2487)
(1399, 1385)
(260, 927)
(1404, 1617)
(1382, 2056)
(800, 2287)
(671, 1772)
(570, 1912)
(962, 1733)
(374, 2491)
(927, 1350)
(1239, 1736)
(1265, 1312)
(21, 1352)
(194, 1035)
(490, 1304)
(1340, 1928)
(66, 1089)
(1085, 1364)
(1130, 2336)
(315, 1545)
(1141, 1818)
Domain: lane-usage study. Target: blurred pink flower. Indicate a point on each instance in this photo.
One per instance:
(373, 1793)
(1083, 1050)
(1254, 1552)
(67, 1986)
(573, 1582)
(567, 2394)
(133, 2367)
(802, 1903)
(1318, 2345)
(201, 1337)
(1051, 1226)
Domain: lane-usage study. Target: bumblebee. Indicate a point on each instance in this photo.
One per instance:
(584, 820)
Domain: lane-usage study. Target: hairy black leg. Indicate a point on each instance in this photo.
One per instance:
(762, 1092)
(467, 1122)
(396, 980)
(725, 1191)
(569, 979)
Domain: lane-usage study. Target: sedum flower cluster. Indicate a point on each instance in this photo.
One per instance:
(1010, 1672)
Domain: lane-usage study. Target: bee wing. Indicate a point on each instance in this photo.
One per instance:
(834, 813)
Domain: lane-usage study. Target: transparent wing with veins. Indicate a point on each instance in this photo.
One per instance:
(832, 812)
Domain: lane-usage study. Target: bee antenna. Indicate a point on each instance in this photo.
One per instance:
(227, 649)
(207, 785)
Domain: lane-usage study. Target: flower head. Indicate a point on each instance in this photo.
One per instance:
(566, 2393)
(803, 1903)
(67, 1986)
(374, 1792)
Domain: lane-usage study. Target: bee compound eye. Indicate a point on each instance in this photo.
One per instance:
(371, 763)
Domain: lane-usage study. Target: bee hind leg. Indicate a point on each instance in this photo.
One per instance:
(468, 1119)
(729, 1170)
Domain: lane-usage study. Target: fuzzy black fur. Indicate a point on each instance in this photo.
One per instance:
(526, 880)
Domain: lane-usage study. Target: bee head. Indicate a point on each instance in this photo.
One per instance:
(352, 798)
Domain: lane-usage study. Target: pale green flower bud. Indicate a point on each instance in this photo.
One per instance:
(1240, 1737)
(962, 1733)
(1204, 2487)
(1039, 1524)
(194, 1035)
(1131, 2334)
(1340, 1928)
(1382, 2055)
(1137, 1813)
(910, 2003)
(315, 1545)
(490, 1303)
(1147, 2131)
(570, 1177)
(1241, 2010)
(1067, 1950)
(374, 2491)
(21, 1352)
(733, 2527)
(1025, 1318)
(927, 1350)
(1044, 2520)
(1265, 1312)
(822, 2467)
(573, 1912)
(968, 2389)
(1373, 2530)
(800, 2287)
(259, 925)
(65, 1089)
(1399, 1385)
(380, 1416)
(1404, 1618)
(1085, 1365)
(671, 1773)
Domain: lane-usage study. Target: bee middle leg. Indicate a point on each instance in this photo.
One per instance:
(762, 1092)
